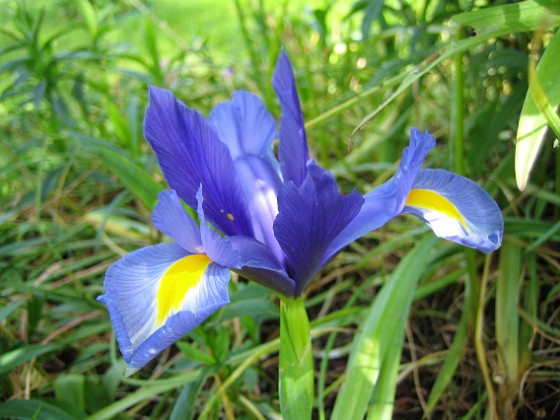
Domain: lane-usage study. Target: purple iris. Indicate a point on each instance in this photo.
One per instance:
(277, 221)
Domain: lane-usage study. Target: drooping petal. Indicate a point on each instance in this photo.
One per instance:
(386, 201)
(158, 294)
(245, 126)
(170, 217)
(259, 264)
(310, 217)
(292, 146)
(190, 153)
(246, 256)
(216, 247)
(456, 208)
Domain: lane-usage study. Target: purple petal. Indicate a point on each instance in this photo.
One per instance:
(261, 185)
(292, 146)
(457, 209)
(131, 295)
(259, 264)
(170, 217)
(386, 201)
(412, 158)
(248, 129)
(248, 257)
(245, 126)
(310, 218)
(216, 247)
(190, 153)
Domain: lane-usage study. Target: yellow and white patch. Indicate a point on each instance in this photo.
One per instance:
(434, 202)
(180, 277)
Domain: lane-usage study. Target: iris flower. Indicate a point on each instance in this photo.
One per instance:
(274, 220)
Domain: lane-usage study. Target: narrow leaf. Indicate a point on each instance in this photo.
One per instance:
(525, 16)
(385, 319)
(533, 123)
(14, 358)
(88, 13)
(32, 409)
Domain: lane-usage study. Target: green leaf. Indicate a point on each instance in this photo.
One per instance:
(507, 315)
(122, 164)
(296, 361)
(150, 390)
(193, 353)
(524, 16)
(8, 309)
(533, 122)
(185, 404)
(88, 13)
(383, 396)
(137, 179)
(14, 358)
(385, 319)
(71, 389)
(32, 409)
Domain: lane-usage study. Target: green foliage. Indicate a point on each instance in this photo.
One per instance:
(78, 183)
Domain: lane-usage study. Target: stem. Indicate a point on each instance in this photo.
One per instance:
(458, 136)
(479, 344)
(296, 361)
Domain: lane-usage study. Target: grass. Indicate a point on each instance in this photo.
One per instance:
(79, 181)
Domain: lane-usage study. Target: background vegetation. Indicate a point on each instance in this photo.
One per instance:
(78, 183)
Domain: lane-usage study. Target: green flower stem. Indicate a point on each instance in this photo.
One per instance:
(296, 361)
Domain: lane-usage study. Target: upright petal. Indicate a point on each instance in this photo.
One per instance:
(190, 153)
(248, 129)
(456, 208)
(170, 217)
(310, 217)
(158, 294)
(261, 184)
(292, 146)
(386, 201)
(245, 126)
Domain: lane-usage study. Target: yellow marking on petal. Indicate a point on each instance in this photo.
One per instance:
(179, 278)
(431, 200)
(230, 217)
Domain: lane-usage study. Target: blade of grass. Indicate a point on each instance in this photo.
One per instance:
(507, 324)
(457, 347)
(524, 16)
(383, 397)
(386, 317)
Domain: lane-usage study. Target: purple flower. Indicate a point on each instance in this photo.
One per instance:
(280, 219)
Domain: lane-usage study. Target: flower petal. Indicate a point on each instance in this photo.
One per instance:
(292, 146)
(245, 126)
(190, 153)
(261, 184)
(310, 218)
(246, 256)
(259, 264)
(158, 294)
(248, 129)
(457, 209)
(216, 247)
(170, 217)
(386, 201)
